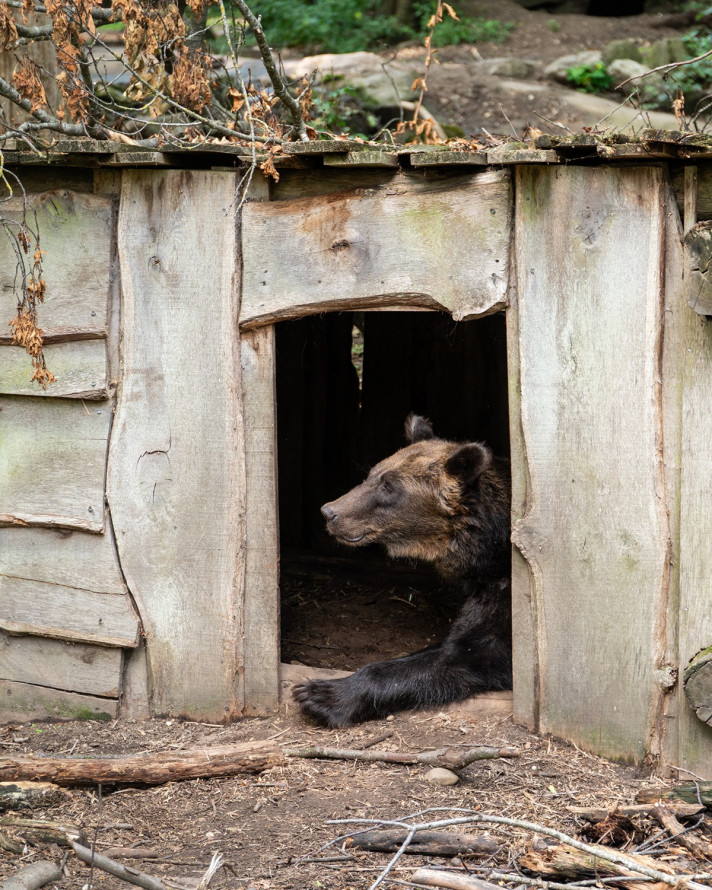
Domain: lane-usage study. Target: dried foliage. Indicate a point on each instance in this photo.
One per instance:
(24, 236)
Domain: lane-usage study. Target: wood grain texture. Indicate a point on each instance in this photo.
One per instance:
(440, 244)
(76, 235)
(80, 369)
(73, 667)
(25, 701)
(174, 478)
(53, 461)
(695, 738)
(67, 613)
(261, 604)
(595, 532)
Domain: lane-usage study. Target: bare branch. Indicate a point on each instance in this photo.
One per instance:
(280, 88)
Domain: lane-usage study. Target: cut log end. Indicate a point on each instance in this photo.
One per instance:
(697, 683)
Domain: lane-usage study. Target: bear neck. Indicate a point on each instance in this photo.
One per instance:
(479, 545)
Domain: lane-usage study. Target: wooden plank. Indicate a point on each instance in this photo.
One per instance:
(174, 476)
(73, 667)
(80, 369)
(375, 158)
(67, 613)
(25, 701)
(261, 617)
(446, 158)
(695, 559)
(53, 461)
(596, 533)
(346, 251)
(505, 154)
(76, 235)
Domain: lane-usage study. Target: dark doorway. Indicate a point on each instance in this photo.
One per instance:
(345, 384)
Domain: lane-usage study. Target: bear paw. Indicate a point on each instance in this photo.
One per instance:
(327, 702)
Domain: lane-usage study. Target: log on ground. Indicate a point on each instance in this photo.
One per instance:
(147, 769)
(425, 843)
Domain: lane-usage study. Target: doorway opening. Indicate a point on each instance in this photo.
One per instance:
(345, 384)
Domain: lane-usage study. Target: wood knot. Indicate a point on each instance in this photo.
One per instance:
(342, 244)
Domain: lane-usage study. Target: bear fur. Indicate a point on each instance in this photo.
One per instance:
(447, 503)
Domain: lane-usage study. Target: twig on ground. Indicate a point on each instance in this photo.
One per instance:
(130, 875)
(450, 758)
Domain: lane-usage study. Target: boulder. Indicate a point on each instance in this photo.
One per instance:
(662, 52)
(651, 89)
(518, 69)
(380, 84)
(621, 49)
(558, 69)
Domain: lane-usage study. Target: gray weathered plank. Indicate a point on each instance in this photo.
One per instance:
(76, 233)
(73, 667)
(53, 461)
(350, 249)
(67, 613)
(80, 368)
(26, 701)
(374, 158)
(174, 476)
(261, 619)
(695, 560)
(596, 533)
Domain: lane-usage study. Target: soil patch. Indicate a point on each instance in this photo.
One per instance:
(272, 829)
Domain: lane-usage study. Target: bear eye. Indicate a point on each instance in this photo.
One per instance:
(387, 486)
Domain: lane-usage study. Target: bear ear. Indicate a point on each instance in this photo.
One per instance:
(417, 429)
(469, 461)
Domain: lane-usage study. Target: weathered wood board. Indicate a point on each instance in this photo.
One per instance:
(695, 524)
(595, 531)
(175, 478)
(73, 667)
(76, 232)
(25, 701)
(53, 461)
(261, 605)
(66, 613)
(442, 245)
(80, 368)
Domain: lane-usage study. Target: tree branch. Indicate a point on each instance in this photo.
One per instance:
(280, 88)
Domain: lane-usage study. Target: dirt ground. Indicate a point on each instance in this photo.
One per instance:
(272, 829)
(457, 94)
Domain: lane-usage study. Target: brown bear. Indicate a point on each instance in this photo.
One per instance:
(447, 503)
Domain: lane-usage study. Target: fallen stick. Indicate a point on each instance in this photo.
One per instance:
(425, 843)
(598, 814)
(125, 872)
(37, 831)
(147, 769)
(33, 876)
(698, 792)
(450, 758)
(678, 833)
(549, 857)
(430, 877)
(30, 795)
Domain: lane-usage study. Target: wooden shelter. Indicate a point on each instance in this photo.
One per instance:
(139, 551)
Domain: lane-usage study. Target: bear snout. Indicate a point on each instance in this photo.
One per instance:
(328, 512)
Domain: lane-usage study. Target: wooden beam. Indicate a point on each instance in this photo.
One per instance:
(595, 534)
(349, 249)
(261, 617)
(80, 369)
(174, 479)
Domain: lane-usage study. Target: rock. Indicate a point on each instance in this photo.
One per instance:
(440, 776)
(379, 88)
(651, 89)
(519, 69)
(558, 69)
(662, 52)
(621, 49)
